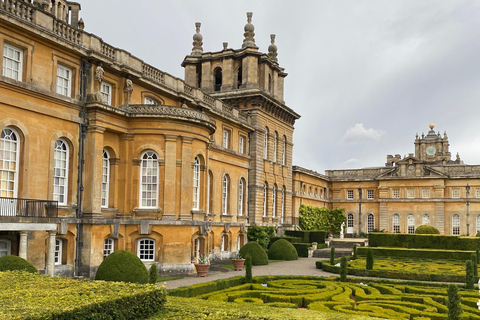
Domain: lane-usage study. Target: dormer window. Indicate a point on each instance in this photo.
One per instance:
(150, 101)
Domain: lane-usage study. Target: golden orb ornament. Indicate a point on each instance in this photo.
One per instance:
(431, 126)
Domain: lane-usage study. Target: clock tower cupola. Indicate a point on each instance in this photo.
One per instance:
(432, 147)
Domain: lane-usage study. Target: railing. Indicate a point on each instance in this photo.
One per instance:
(153, 73)
(67, 32)
(17, 207)
(21, 9)
(109, 51)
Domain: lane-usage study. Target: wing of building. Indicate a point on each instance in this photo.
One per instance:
(101, 151)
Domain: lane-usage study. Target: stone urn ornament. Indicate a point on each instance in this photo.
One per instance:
(238, 262)
(202, 266)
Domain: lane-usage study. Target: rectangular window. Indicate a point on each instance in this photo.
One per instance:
(396, 193)
(146, 249)
(241, 144)
(350, 194)
(456, 193)
(58, 251)
(477, 191)
(425, 193)
(410, 193)
(108, 247)
(225, 138)
(370, 194)
(107, 93)
(12, 62)
(64, 81)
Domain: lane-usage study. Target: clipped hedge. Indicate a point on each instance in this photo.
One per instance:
(288, 238)
(282, 250)
(423, 241)
(123, 266)
(33, 296)
(302, 249)
(426, 229)
(12, 263)
(417, 253)
(259, 256)
(308, 236)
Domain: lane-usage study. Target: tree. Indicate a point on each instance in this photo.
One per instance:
(261, 235)
(153, 274)
(453, 303)
(343, 269)
(469, 276)
(354, 252)
(369, 259)
(475, 264)
(332, 256)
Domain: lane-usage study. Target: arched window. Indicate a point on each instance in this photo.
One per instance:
(426, 219)
(274, 201)
(241, 192)
(456, 224)
(9, 160)
(225, 242)
(350, 223)
(239, 77)
(282, 208)
(316, 193)
(284, 150)
(240, 241)
(396, 223)
(105, 178)
(108, 247)
(149, 180)
(265, 144)
(146, 249)
(225, 196)
(265, 194)
(410, 223)
(210, 192)
(275, 138)
(58, 251)
(217, 73)
(60, 172)
(310, 191)
(370, 223)
(5, 247)
(196, 184)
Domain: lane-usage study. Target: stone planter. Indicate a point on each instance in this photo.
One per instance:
(202, 269)
(238, 264)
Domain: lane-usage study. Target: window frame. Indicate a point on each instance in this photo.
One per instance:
(425, 216)
(455, 224)
(107, 95)
(58, 251)
(108, 247)
(6, 47)
(455, 193)
(396, 223)
(275, 140)
(13, 193)
(425, 193)
(284, 148)
(370, 222)
(265, 199)
(143, 251)
(265, 144)
(225, 247)
(396, 193)
(411, 224)
(142, 184)
(225, 194)
(105, 179)
(370, 194)
(274, 201)
(8, 247)
(241, 195)
(150, 101)
(196, 184)
(61, 89)
(350, 194)
(57, 195)
(410, 193)
(225, 138)
(241, 144)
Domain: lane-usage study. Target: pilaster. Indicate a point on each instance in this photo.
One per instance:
(169, 193)
(186, 196)
(93, 171)
(440, 217)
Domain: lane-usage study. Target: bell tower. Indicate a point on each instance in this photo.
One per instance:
(432, 147)
(253, 83)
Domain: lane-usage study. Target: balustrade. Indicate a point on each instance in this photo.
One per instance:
(18, 207)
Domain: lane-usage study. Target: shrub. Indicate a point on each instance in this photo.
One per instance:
(11, 263)
(248, 268)
(478, 234)
(477, 252)
(332, 256)
(318, 264)
(354, 252)
(288, 238)
(153, 273)
(260, 235)
(426, 229)
(417, 253)
(123, 266)
(469, 276)
(282, 250)
(453, 303)
(259, 256)
(302, 249)
(343, 269)
(308, 236)
(475, 264)
(423, 241)
(369, 265)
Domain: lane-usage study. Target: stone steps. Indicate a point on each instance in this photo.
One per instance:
(347, 244)
(325, 253)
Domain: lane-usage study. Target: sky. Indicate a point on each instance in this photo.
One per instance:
(365, 75)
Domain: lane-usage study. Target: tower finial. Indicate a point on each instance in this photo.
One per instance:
(249, 34)
(197, 41)
(272, 49)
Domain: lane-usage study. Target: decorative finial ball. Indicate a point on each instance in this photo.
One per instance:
(431, 126)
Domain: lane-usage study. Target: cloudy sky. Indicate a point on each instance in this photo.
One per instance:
(366, 76)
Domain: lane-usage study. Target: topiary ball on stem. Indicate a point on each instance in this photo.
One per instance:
(282, 250)
(122, 266)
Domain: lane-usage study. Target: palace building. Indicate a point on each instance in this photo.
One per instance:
(101, 151)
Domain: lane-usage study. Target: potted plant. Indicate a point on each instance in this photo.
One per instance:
(202, 266)
(238, 262)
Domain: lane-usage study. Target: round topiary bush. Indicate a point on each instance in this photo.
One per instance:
(259, 256)
(426, 229)
(282, 250)
(478, 234)
(11, 263)
(123, 266)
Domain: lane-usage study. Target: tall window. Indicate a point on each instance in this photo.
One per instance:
(105, 178)
(425, 219)
(64, 81)
(456, 224)
(265, 144)
(284, 150)
(425, 193)
(224, 242)
(350, 220)
(107, 93)
(108, 247)
(282, 213)
(210, 192)
(396, 193)
(410, 223)
(60, 172)
(240, 242)
(370, 223)
(410, 193)
(225, 139)
(196, 184)
(241, 190)
(396, 223)
(12, 62)
(217, 73)
(265, 193)
(275, 138)
(146, 249)
(9, 159)
(58, 251)
(274, 201)
(149, 180)
(225, 199)
(241, 144)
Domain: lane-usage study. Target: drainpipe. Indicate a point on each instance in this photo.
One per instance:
(248, 178)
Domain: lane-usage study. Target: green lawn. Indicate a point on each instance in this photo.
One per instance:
(168, 279)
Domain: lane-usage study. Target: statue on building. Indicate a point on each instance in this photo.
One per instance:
(99, 75)
(128, 89)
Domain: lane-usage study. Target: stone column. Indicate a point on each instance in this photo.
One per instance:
(170, 187)
(125, 177)
(51, 253)
(186, 196)
(22, 252)
(93, 172)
